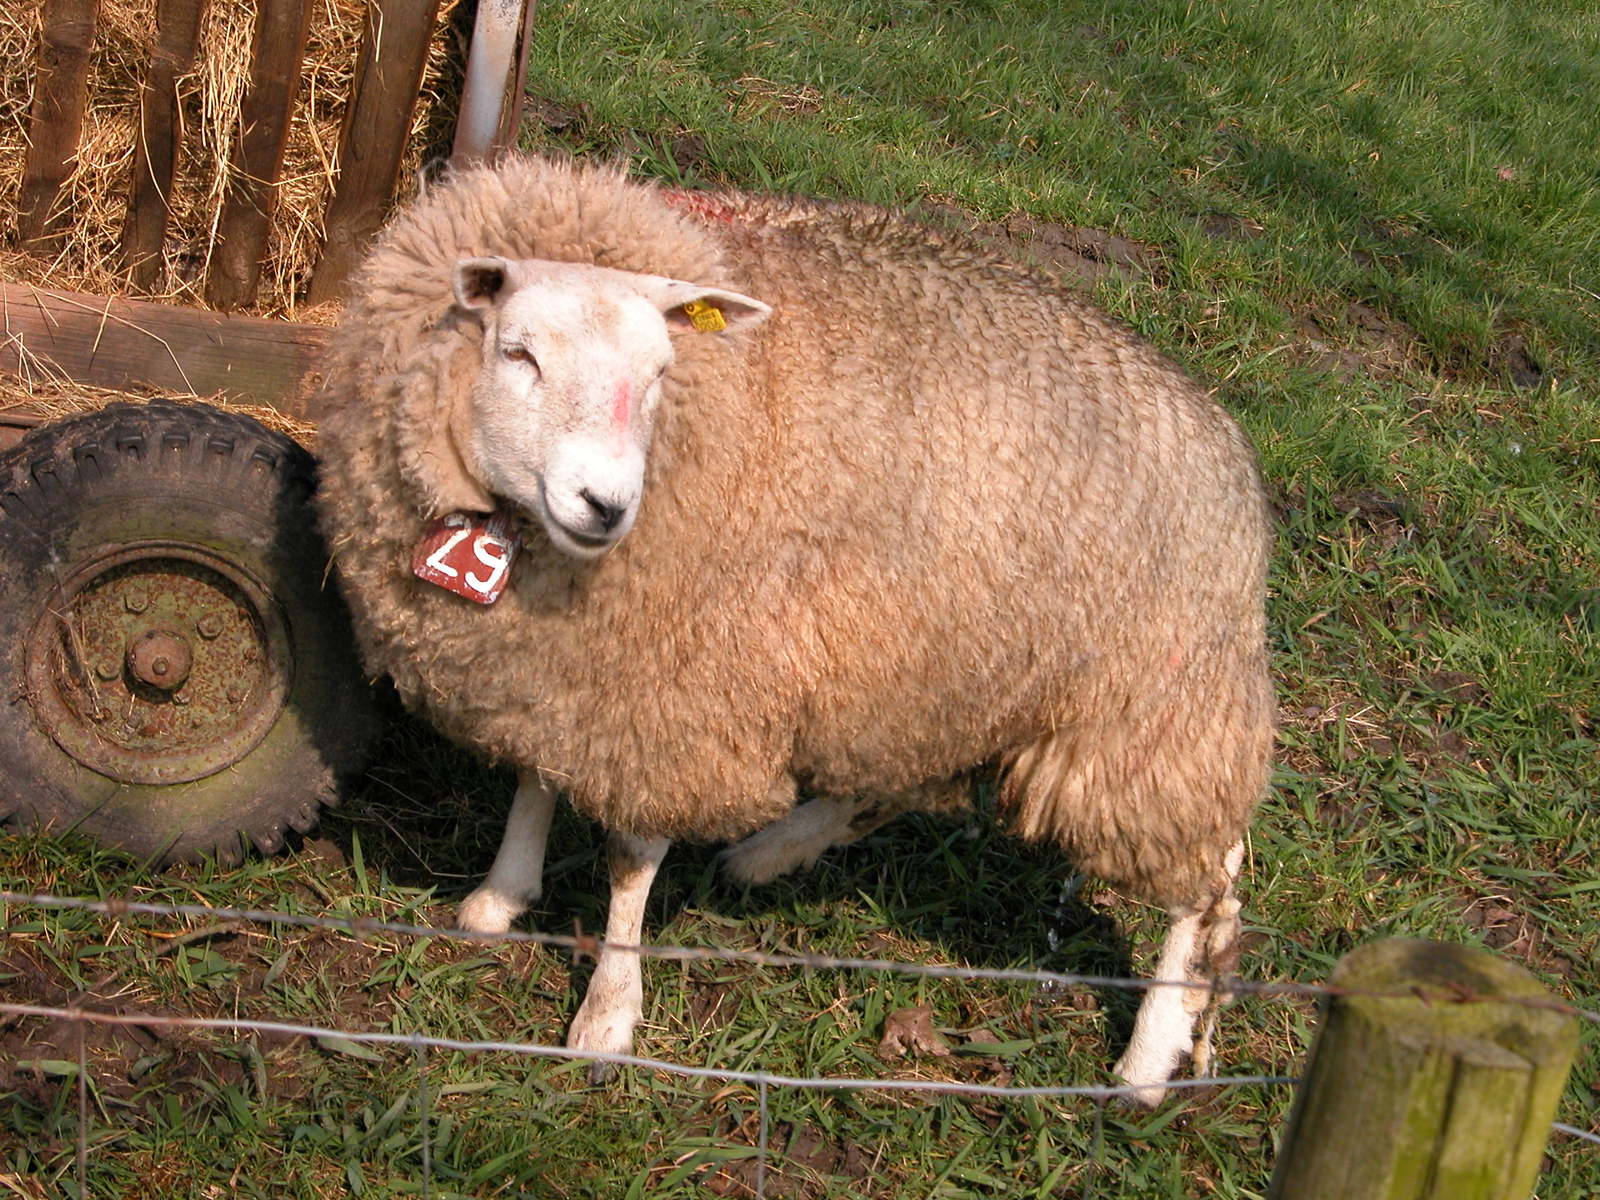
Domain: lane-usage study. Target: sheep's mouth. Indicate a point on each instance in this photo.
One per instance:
(587, 540)
(585, 544)
(575, 543)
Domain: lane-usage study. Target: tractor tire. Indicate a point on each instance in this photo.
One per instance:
(178, 677)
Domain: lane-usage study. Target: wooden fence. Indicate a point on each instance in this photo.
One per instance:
(378, 117)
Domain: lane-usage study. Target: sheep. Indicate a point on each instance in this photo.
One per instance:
(814, 503)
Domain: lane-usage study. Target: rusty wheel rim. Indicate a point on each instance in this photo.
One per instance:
(158, 663)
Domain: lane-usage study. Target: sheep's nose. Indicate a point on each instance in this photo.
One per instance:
(604, 511)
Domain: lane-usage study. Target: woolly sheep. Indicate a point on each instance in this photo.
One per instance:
(933, 514)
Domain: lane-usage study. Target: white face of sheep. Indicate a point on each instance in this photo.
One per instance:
(563, 406)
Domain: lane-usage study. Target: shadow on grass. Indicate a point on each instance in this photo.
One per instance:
(430, 815)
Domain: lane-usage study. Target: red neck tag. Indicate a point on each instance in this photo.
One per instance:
(468, 554)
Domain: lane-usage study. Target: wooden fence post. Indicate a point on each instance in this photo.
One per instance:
(155, 154)
(277, 55)
(60, 90)
(377, 121)
(1441, 1088)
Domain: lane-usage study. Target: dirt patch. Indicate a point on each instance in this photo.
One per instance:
(1512, 932)
(232, 972)
(803, 1162)
(1389, 519)
(1455, 687)
(39, 1056)
(555, 117)
(713, 1004)
(1511, 359)
(1080, 257)
(1228, 227)
(1358, 341)
(688, 151)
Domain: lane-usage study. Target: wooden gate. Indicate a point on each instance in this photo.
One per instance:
(121, 343)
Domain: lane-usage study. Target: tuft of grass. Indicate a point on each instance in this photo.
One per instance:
(1370, 227)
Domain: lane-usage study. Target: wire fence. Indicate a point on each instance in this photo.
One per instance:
(581, 945)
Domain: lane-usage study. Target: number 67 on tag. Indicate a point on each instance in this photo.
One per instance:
(467, 554)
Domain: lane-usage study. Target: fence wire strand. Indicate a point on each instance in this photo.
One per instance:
(580, 945)
(761, 1145)
(844, 1083)
(585, 945)
(1574, 1131)
(422, 1117)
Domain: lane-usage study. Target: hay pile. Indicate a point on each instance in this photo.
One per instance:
(38, 401)
(210, 97)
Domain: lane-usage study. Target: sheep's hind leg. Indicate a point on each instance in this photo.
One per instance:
(518, 872)
(798, 839)
(1201, 945)
(614, 1001)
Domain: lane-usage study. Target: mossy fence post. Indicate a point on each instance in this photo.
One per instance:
(1435, 1076)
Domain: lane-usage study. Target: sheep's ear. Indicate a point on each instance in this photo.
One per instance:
(692, 306)
(480, 283)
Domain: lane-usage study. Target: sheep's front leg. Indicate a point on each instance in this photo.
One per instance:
(518, 872)
(1201, 945)
(615, 1000)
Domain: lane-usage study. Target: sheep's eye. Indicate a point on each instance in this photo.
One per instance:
(518, 353)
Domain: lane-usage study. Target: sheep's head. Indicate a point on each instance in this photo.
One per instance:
(573, 357)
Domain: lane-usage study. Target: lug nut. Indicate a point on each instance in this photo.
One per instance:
(161, 659)
(210, 626)
(135, 602)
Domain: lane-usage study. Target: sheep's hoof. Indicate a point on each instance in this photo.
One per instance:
(1148, 1088)
(602, 1029)
(488, 911)
(1144, 1098)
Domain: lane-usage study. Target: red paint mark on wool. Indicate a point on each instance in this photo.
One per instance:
(708, 206)
(621, 409)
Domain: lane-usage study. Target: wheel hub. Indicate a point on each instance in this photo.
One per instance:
(158, 663)
(161, 659)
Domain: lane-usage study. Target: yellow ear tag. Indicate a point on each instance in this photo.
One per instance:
(705, 317)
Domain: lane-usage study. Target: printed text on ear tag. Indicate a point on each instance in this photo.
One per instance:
(468, 554)
(705, 316)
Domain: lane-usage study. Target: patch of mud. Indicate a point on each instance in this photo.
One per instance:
(40, 1056)
(1511, 931)
(1228, 227)
(688, 151)
(1389, 519)
(141, 1062)
(713, 1004)
(555, 117)
(1078, 256)
(1359, 341)
(803, 1163)
(1512, 361)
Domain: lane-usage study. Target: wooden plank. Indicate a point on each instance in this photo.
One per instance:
(155, 157)
(394, 51)
(61, 88)
(133, 344)
(279, 49)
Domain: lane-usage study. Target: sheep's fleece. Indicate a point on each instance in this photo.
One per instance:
(935, 514)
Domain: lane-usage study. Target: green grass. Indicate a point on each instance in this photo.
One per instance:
(1435, 602)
